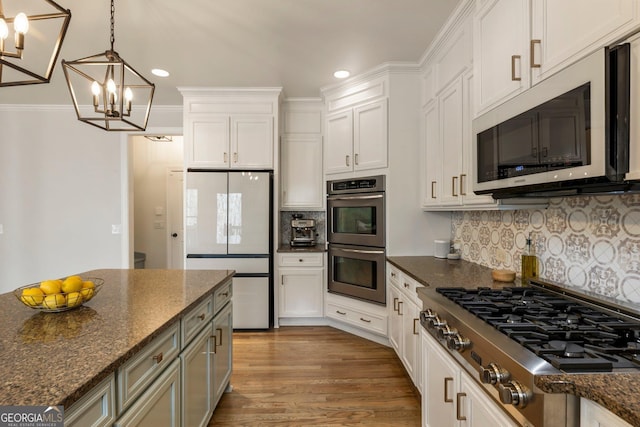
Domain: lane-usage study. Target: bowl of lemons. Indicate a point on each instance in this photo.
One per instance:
(59, 294)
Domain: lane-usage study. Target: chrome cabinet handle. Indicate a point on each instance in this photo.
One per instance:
(346, 160)
(514, 58)
(355, 159)
(463, 178)
(459, 415)
(447, 380)
(532, 55)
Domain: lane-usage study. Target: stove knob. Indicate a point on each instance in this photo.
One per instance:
(457, 342)
(428, 314)
(515, 394)
(494, 374)
(446, 330)
(436, 322)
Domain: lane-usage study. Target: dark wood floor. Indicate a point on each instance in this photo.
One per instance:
(315, 376)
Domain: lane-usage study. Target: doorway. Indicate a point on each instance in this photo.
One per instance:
(156, 200)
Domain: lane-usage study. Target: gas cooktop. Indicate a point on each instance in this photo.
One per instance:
(571, 335)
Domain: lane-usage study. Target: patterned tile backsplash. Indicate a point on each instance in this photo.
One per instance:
(588, 242)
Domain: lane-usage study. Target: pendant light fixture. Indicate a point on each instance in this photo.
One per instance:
(19, 63)
(107, 92)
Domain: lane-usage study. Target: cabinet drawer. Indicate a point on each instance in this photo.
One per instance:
(394, 274)
(409, 286)
(195, 319)
(308, 259)
(372, 322)
(138, 372)
(222, 296)
(97, 408)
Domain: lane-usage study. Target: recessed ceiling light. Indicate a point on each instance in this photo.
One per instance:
(160, 72)
(341, 74)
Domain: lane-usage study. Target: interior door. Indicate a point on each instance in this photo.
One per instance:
(249, 208)
(175, 252)
(206, 213)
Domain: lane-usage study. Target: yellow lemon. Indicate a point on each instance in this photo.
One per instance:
(51, 287)
(88, 284)
(32, 296)
(72, 284)
(87, 293)
(54, 301)
(74, 299)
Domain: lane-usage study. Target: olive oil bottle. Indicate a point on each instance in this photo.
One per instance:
(529, 263)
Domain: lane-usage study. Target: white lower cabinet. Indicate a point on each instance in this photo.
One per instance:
(96, 409)
(159, 404)
(450, 397)
(404, 322)
(595, 415)
(301, 278)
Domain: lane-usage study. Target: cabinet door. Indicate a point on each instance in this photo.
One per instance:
(207, 140)
(501, 51)
(451, 128)
(476, 408)
(410, 315)
(252, 141)
(395, 320)
(222, 352)
(159, 405)
(301, 172)
(196, 385)
(441, 384)
(595, 415)
(431, 155)
(339, 143)
(558, 41)
(370, 136)
(301, 291)
(97, 408)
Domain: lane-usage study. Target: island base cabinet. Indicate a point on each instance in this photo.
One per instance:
(159, 405)
(222, 352)
(96, 409)
(196, 383)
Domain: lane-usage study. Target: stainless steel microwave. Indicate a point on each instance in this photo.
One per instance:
(567, 135)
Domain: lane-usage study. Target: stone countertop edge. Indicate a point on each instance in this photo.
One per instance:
(286, 248)
(56, 358)
(614, 391)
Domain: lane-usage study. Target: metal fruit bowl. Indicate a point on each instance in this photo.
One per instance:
(59, 301)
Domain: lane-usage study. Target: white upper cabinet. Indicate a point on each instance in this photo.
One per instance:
(301, 184)
(357, 127)
(557, 40)
(230, 128)
(501, 47)
(519, 43)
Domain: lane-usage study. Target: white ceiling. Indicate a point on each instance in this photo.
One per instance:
(296, 44)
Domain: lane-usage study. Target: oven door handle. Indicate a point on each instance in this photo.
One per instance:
(359, 251)
(373, 196)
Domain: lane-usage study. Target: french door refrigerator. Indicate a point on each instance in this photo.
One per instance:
(228, 225)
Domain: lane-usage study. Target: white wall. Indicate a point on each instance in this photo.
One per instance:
(61, 190)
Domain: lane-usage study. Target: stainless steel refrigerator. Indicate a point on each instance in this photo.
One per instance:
(229, 225)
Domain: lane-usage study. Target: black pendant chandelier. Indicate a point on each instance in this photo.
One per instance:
(107, 92)
(37, 26)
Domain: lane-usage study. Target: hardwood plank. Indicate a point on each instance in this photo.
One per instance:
(316, 376)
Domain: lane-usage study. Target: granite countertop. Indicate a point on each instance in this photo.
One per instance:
(288, 248)
(55, 358)
(615, 391)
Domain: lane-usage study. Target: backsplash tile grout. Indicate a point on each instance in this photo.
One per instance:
(590, 242)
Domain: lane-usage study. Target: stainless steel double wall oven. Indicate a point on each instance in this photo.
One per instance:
(356, 236)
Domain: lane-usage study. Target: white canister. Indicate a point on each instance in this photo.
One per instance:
(441, 248)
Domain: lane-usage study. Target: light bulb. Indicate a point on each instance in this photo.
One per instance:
(111, 86)
(128, 94)
(4, 29)
(21, 23)
(95, 88)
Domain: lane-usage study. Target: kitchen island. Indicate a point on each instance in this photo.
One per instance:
(56, 358)
(613, 390)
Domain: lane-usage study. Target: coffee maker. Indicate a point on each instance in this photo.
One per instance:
(303, 231)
